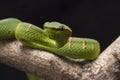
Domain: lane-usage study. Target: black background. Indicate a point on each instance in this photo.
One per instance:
(98, 19)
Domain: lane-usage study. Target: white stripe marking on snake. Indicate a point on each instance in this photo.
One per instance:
(9, 32)
(29, 27)
(84, 45)
(70, 42)
(18, 26)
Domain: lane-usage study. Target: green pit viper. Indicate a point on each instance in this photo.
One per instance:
(55, 38)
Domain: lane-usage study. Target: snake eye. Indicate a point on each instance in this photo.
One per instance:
(62, 29)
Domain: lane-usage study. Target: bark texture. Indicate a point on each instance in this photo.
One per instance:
(53, 67)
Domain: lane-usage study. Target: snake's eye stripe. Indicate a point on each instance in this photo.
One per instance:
(84, 45)
(29, 27)
(58, 29)
(61, 29)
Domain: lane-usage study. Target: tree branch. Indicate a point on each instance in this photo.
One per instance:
(53, 67)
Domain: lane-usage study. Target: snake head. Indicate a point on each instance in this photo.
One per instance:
(58, 32)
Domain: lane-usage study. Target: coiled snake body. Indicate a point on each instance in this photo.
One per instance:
(55, 38)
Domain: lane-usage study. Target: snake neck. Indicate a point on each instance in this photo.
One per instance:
(46, 41)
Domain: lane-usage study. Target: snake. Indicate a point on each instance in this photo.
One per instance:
(55, 37)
